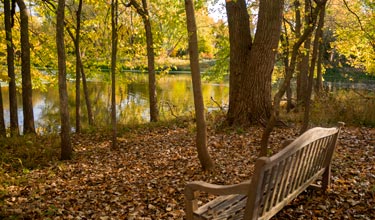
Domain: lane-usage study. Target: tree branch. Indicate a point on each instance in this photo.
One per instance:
(369, 36)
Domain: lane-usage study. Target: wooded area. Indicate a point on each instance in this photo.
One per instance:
(280, 59)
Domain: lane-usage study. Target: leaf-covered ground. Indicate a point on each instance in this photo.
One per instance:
(145, 178)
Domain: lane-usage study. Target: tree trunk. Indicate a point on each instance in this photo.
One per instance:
(3, 132)
(14, 130)
(27, 102)
(314, 56)
(283, 87)
(248, 107)
(240, 46)
(78, 68)
(285, 44)
(84, 82)
(154, 114)
(114, 18)
(201, 138)
(302, 77)
(87, 98)
(66, 147)
(319, 81)
(143, 12)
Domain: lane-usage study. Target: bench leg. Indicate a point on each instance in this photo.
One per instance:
(326, 178)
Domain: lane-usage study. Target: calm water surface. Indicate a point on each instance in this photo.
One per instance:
(175, 98)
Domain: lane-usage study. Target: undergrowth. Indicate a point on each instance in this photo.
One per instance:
(21, 154)
(353, 108)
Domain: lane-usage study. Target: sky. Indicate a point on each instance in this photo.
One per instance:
(217, 10)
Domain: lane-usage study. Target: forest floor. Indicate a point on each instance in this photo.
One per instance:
(145, 177)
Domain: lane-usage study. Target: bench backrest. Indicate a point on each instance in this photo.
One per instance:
(280, 178)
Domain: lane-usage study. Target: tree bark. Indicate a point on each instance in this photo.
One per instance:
(27, 97)
(319, 76)
(303, 66)
(247, 106)
(78, 67)
(3, 132)
(13, 109)
(66, 147)
(114, 18)
(201, 138)
(240, 46)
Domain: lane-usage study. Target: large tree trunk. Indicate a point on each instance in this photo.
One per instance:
(14, 130)
(27, 101)
(248, 107)
(3, 132)
(78, 68)
(114, 18)
(66, 147)
(240, 46)
(201, 138)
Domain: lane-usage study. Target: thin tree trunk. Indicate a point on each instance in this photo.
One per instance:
(78, 68)
(87, 97)
(154, 114)
(3, 132)
(283, 87)
(27, 101)
(84, 82)
(305, 58)
(285, 43)
(14, 130)
(114, 17)
(314, 56)
(319, 81)
(144, 13)
(66, 147)
(298, 27)
(201, 138)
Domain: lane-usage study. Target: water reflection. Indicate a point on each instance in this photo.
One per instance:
(175, 98)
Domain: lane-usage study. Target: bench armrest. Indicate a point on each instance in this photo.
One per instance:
(241, 188)
(219, 190)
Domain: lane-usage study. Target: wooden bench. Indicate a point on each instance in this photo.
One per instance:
(276, 180)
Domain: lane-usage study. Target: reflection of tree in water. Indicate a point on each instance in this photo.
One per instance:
(174, 96)
(48, 117)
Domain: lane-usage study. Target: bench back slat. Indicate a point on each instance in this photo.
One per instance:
(281, 177)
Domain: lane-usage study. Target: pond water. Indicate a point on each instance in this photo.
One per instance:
(174, 92)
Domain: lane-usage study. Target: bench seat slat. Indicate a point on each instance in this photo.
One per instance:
(223, 207)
